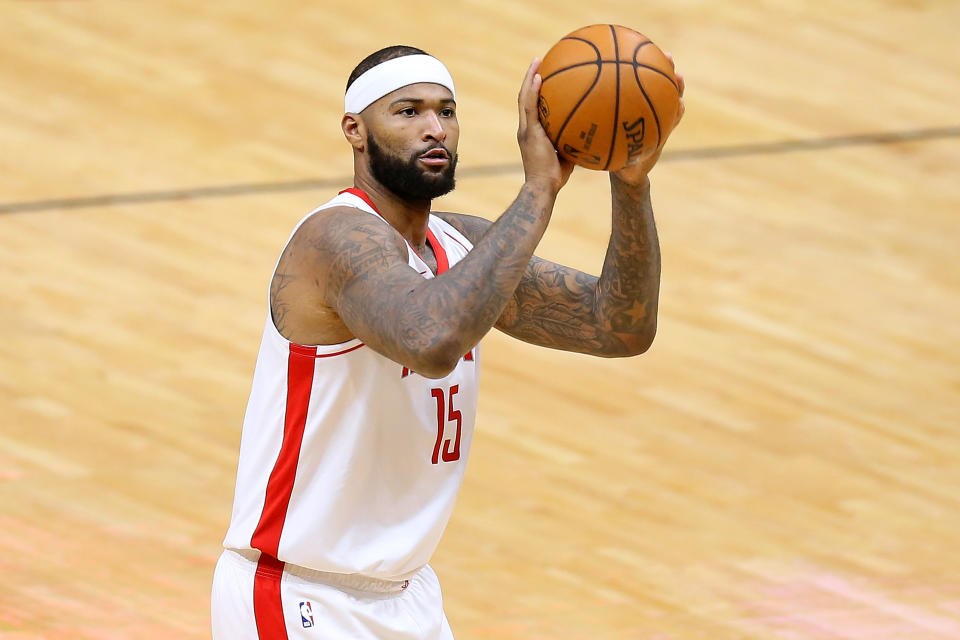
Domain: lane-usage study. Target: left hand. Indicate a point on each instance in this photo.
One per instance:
(636, 174)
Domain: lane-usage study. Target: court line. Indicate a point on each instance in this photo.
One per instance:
(680, 155)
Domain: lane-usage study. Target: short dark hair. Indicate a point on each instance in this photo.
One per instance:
(387, 53)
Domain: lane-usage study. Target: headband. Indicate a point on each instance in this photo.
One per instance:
(393, 74)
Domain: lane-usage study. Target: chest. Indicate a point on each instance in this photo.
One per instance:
(427, 256)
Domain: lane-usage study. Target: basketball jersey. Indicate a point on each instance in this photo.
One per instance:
(349, 461)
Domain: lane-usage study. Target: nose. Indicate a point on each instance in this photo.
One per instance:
(433, 128)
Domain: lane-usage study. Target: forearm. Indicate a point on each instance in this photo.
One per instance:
(611, 316)
(629, 285)
(470, 297)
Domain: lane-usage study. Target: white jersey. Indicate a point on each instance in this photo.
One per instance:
(350, 462)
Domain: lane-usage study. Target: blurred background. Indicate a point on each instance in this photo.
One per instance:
(782, 464)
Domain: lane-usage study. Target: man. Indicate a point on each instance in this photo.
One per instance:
(364, 396)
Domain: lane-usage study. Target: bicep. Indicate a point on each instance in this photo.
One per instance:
(367, 281)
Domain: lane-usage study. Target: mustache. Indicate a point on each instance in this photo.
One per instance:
(438, 146)
(434, 147)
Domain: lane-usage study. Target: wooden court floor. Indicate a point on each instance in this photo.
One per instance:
(783, 464)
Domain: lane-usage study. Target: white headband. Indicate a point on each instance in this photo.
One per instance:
(389, 76)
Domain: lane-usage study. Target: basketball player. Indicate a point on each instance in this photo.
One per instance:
(362, 409)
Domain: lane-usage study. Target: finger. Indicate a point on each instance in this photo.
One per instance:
(531, 92)
(535, 66)
(525, 90)
(681, 86)
(676, 74)
(534, 95)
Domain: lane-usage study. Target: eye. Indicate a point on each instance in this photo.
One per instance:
(448, 112)
(407, 111)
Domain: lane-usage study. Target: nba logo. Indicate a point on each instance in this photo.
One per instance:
(306, 615)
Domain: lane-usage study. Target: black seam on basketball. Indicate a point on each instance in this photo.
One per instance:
(581, 40)
(657, 71)
(634, 64)
(596, 79)
(616, 107)
(579, 64)
(653, 109)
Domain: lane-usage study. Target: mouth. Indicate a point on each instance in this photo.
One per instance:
(435, 157)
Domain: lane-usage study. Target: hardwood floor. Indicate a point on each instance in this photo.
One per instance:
(782, 464)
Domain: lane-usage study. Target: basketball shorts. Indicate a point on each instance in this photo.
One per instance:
(254, 600)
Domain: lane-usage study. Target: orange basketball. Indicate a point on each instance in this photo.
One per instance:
(609, 97)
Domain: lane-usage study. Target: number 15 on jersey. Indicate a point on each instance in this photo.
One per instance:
(447, 447)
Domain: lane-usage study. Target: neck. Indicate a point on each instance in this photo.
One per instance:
(410, 218)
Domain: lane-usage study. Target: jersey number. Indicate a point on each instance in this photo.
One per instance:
(446, 413)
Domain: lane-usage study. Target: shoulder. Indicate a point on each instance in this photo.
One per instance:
(337, 245)
(337, 228)
(471, 227)
(330, 249)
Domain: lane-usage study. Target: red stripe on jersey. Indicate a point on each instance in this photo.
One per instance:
(455, 240)
(300, 365)
(311, 352)
(442, 262)
(360, 193)
(267, 605)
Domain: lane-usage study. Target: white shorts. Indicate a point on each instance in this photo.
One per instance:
(268, 600)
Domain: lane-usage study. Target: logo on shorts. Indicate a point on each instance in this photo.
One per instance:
(306, 614)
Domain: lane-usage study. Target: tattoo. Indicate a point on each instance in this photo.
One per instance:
(358, 270)
(563, 308)
(354, 248)
(629, 285)
(421, 322)
(554, 307)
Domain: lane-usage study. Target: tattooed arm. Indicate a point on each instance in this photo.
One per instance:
(358, 267)
(613, 315)
(563, 308)
(345, 273)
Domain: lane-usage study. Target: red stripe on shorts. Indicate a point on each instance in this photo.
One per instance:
(267, 605)
(266, 537)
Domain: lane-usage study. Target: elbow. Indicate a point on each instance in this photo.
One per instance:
(435, 370)
(440, 360)
(635, 344)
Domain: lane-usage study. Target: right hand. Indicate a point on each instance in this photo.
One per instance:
(541, 162)
(636, 174)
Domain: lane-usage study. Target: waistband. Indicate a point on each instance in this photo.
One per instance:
(270, 566)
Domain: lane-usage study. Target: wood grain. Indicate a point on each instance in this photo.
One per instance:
(782, 464)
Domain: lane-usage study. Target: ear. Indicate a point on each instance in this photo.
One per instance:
(354, 130)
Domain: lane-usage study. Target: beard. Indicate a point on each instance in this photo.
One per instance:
(408, 179)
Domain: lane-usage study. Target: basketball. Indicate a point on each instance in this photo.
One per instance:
(609, 97)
